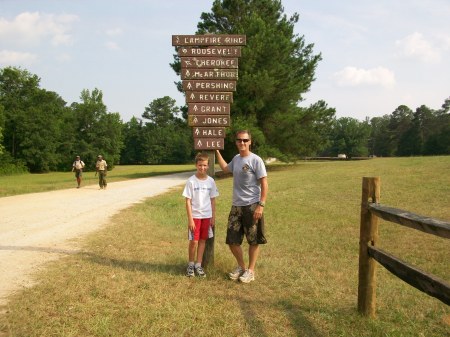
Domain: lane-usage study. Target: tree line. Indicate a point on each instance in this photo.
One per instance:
(40, 132)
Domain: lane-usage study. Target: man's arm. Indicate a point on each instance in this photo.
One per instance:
(222, 163)
(264, 189)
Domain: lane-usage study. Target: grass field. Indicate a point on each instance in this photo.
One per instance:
(130, 279)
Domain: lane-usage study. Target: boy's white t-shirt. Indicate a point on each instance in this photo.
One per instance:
(200, 192)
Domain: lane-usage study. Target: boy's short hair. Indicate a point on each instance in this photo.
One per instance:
(201, 157)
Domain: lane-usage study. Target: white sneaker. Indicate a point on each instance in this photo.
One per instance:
(200, 272)
(236, 273)
(247, 277)
(190, 271)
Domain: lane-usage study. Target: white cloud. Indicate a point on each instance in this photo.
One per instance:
(31, 28)
(112, 45)
(352, 76)
(114, 32)
(13, 58)
(416, 46)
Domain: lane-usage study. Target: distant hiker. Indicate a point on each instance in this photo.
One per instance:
(250, 189)
(78, 166)
(200, 193)
(102, 169)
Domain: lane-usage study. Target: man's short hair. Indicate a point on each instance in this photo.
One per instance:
(201, 157)
(243, 131)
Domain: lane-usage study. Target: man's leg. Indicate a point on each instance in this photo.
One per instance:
(238, 255)
(253, 252)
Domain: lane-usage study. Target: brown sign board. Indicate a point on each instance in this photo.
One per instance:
(217, 51)
(209, 143)
(208, 108)
(207, 97)
(207, 120)
(209, 85)
(205, 132)
(209, 62)
(209, 40)
(209, 74)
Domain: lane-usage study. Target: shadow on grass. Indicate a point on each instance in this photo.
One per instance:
(299, 322)
(172, 269)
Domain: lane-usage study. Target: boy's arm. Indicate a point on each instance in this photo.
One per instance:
(191, 224)
(222, 163)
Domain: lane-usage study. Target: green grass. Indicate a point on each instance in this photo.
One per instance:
(129, 280)
(31, 183)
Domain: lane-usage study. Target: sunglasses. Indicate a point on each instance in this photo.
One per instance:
(239, 140)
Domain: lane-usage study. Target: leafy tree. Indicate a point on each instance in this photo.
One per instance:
(380, 140)
(132, 150)
(166, 138)
(275, 70)
(350, 136)
(97, 131)
(32, 120)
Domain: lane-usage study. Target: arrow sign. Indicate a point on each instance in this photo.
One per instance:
(209, 74)
(208, 108)
(210, 51)
(209, 85)
(206, 120)
(216, 97)
(209, 40)
(208, 143)
(208, 132)
(209, 62)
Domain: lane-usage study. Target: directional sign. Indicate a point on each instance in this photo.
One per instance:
(210, 51)
(205, 120)
(209, 62)
(208, 108)
(209, 40)
(209, 74)
(209, 85)
(208, 143)
(200, 97)
(205, 132)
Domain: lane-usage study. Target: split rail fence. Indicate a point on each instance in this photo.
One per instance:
(369, 253)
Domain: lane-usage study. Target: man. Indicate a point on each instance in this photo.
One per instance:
(102, 170)
(78, 166)
(250, 189)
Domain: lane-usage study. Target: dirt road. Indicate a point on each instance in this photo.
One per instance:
(40, 227)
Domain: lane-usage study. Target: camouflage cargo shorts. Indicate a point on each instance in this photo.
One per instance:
(241, 222)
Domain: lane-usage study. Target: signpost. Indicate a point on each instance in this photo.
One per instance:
(209, 74)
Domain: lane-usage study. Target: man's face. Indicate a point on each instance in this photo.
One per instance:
(243, 141)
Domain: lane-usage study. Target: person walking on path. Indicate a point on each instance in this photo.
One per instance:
(77, 167)
(200, 193)
(250, 188)
(102, 169)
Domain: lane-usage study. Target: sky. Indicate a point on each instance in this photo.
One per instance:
(376, 55)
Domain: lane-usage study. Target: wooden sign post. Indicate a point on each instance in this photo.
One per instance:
(209, 72)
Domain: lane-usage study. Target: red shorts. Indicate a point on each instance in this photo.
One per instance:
(201, 231)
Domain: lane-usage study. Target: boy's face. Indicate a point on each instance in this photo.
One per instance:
(202, 166)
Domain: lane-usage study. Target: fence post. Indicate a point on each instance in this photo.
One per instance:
(368, 235)
(208, 255)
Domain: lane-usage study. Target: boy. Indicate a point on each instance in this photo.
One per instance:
(200, 192)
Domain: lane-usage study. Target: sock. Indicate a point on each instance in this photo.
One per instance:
(191, 263)
(198, 265)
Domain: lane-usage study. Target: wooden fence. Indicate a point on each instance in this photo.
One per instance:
(369, 253)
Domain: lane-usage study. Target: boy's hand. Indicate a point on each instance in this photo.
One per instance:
(212, 222)
(191, 225)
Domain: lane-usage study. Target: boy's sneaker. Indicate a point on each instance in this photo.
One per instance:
(236, 273)
(200, 272)
(190, 271)
(247, 277)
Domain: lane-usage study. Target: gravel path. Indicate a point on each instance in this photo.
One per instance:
(40, 227)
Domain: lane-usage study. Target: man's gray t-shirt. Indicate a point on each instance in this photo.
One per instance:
(246, 174)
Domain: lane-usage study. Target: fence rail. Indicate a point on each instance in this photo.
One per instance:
(369, 253)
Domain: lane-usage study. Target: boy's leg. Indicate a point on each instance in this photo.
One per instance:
(200, 250)
(192, 246)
